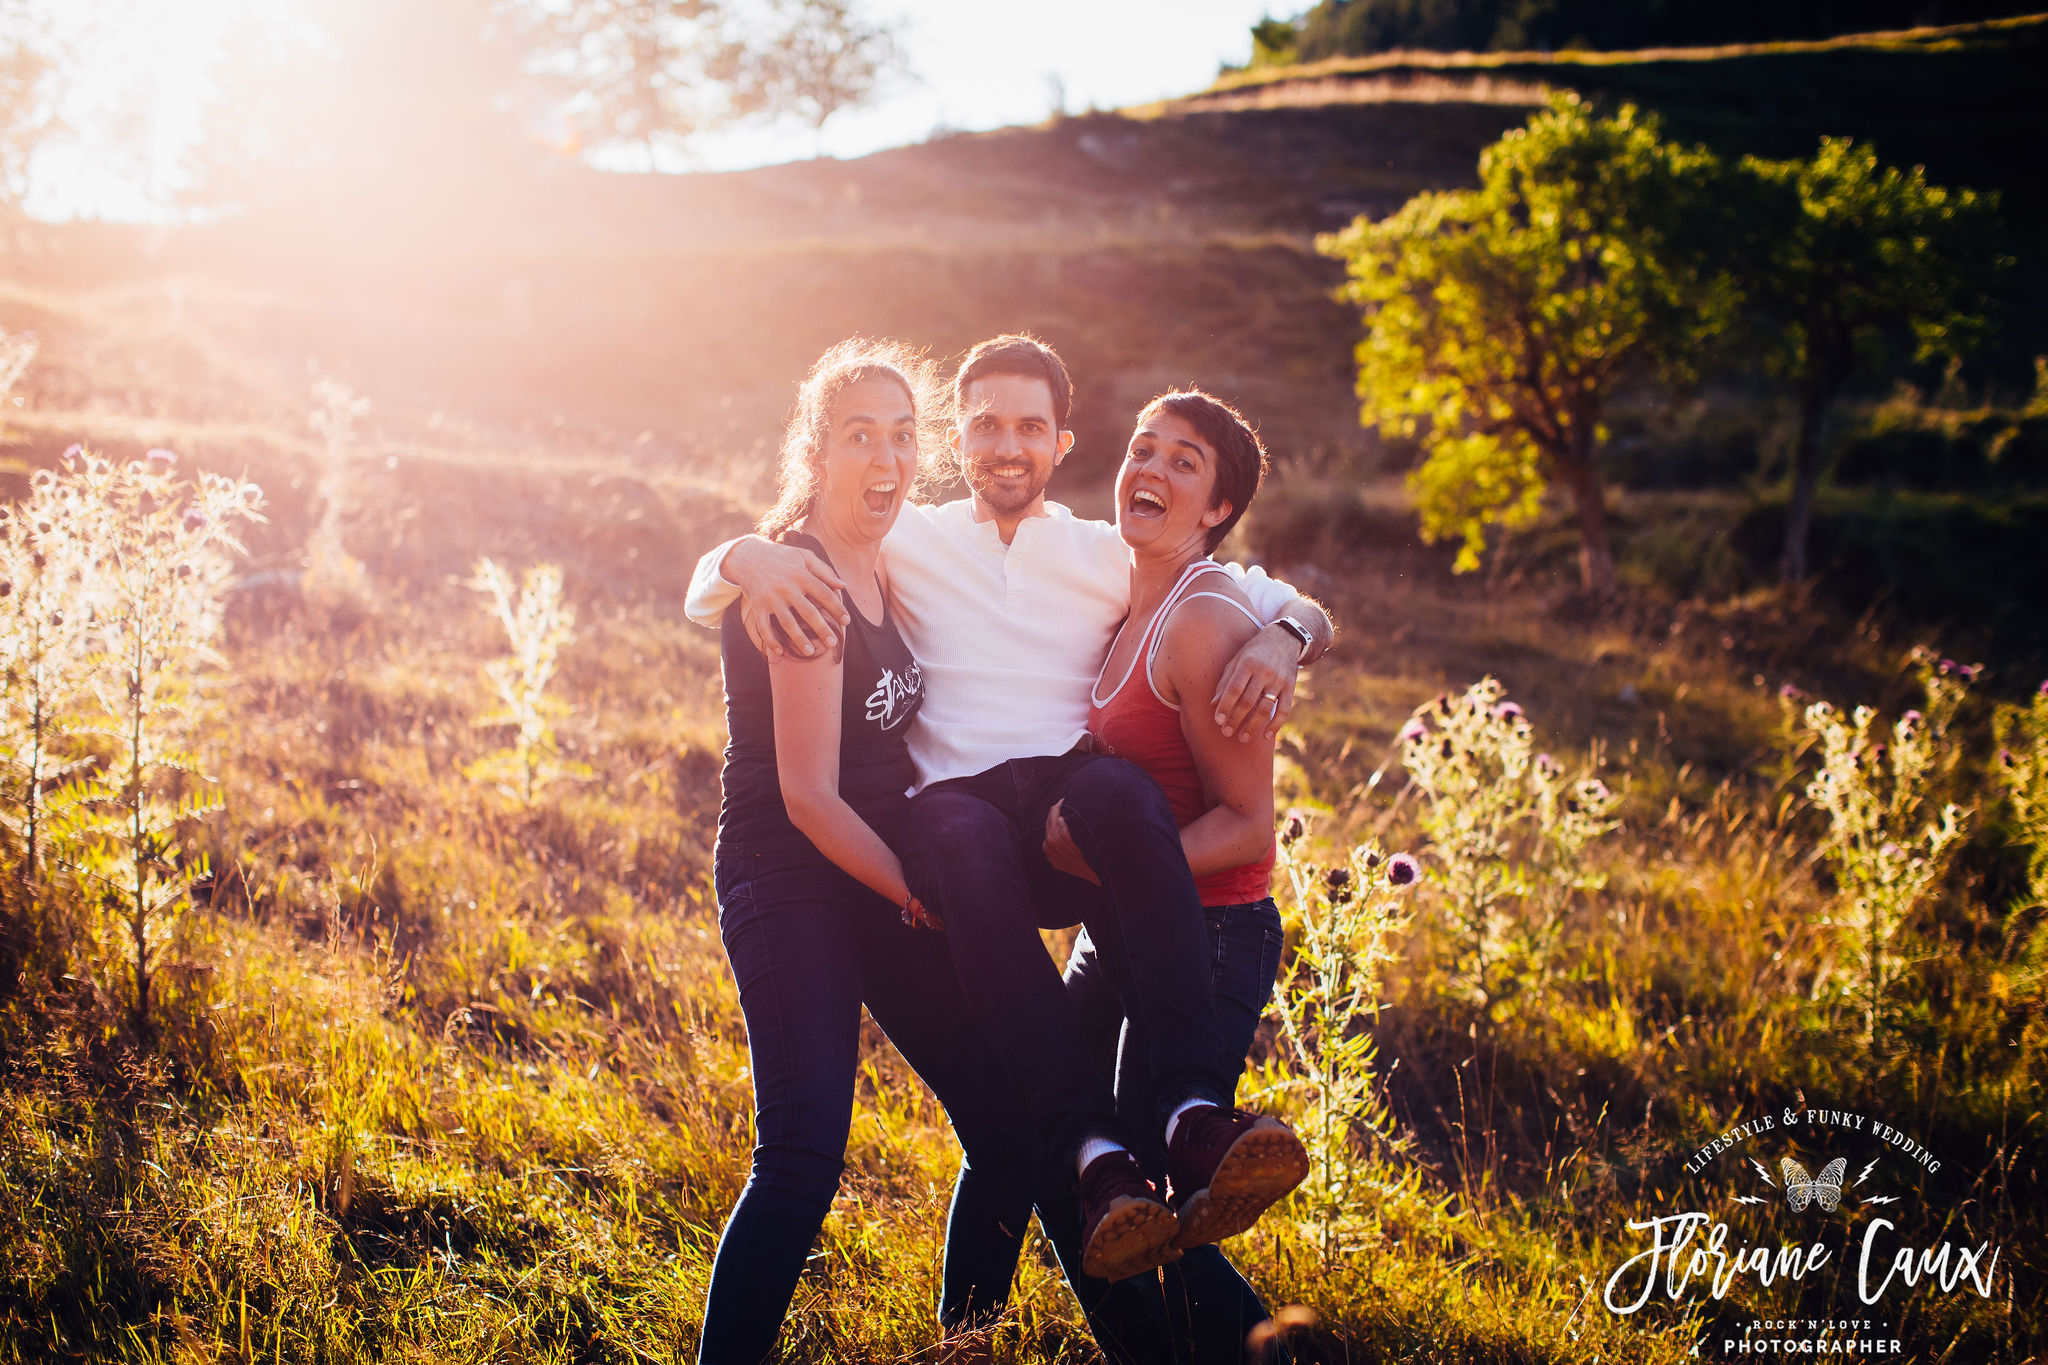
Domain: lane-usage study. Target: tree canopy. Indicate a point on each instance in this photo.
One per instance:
(1500, 319)
(1862, 265)
(1352, 28)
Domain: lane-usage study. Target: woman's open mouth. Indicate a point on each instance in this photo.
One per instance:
(879, 497)
(1145, 503)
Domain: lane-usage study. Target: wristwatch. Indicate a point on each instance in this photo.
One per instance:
(1299, 632)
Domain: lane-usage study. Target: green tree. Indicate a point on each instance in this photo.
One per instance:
(1863, 262)
(25, 106)
(818, 57)
(1499, 320)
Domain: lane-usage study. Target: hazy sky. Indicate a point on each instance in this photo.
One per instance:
(975, 64)
(979, 64)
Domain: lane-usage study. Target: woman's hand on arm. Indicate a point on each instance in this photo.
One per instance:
(1204, 640)
(807, 701)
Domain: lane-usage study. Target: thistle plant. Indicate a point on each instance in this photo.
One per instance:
(1889, 834)
(1349, 916)
(46, 582)
(162, 555)
(2022, 773)
(538, 623)
(332, 575)
(1508, 830)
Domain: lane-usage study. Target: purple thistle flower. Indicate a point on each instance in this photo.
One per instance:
(194, 518)
(2005, 758)
(2042, 690)
(1947, 666)
(1413, 731)
(1790, 693)
(1402, 870)
(158, 455)
(1911, 718)
(1970, 671)
(1507, 710)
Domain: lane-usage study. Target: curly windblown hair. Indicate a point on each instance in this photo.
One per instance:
(800, 473)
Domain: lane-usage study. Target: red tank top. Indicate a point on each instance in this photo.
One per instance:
(1135, 724)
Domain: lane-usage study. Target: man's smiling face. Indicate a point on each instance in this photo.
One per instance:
(1009, 442)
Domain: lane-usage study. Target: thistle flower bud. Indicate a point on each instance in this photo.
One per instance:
(1413, 731)
(1507, 710)
(1402, 870)
(1337, 881)
(1372, 860)
(1295, 829)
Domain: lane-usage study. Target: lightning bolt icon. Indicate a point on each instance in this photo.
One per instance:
(1752, 1199)
(1883, 1199)
(1864, 1174)
(1764, 1173)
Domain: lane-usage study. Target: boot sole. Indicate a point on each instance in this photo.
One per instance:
(1256, 1173)
(1135, 1236)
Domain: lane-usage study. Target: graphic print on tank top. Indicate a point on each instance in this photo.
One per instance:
(894, 700)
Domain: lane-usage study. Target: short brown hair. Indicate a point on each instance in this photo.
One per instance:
(1240, 456)
(1024, 356)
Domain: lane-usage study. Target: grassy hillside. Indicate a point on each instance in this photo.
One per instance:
(441, 1076)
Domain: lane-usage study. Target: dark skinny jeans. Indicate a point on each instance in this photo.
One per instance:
(1199, 1304)
(974, 852)
(808, 946)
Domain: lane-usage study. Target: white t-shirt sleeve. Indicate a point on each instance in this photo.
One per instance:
(1270, 596)
(710, 594)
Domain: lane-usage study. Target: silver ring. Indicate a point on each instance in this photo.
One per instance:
(1272, 697)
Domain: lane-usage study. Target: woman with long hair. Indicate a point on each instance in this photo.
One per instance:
(812, 905)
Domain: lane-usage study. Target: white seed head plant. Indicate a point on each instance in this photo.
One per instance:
(162, 552)
(1508, 830)
(538, 623)
(47, 571)
(333, 578)
(1889, 834)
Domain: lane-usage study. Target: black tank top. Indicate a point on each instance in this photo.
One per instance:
(881, 691)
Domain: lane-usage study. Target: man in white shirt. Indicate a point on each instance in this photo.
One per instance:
(1009, 604)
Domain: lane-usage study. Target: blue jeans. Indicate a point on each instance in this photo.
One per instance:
(808, 946)
(1200, 1302)
(974, 853)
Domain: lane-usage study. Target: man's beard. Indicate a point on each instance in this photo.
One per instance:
(1004, 498)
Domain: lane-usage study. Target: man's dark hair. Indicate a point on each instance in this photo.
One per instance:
(1023, 356)
(1240, 455)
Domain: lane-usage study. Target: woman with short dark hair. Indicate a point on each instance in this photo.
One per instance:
(1192, 468)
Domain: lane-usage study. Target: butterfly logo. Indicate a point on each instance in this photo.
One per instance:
(1824, 1189)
